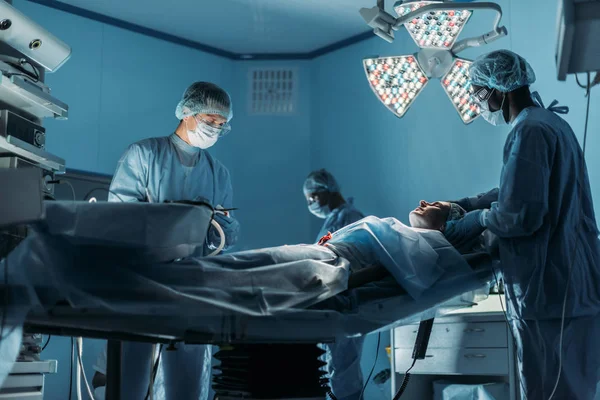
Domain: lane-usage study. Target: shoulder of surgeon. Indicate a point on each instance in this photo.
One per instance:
(541, 120)
(350, 214)
(539, 124)
(146, 147)
(155, 147)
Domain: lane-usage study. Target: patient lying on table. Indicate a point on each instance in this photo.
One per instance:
(459, 221)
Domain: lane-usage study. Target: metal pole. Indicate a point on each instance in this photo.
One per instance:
(113, 370)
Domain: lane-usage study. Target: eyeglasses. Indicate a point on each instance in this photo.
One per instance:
(218, 130)
(482, 95)
(315, 196)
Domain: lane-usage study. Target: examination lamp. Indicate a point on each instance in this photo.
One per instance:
(435, 27)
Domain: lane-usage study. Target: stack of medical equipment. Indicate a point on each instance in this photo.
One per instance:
(434, 26)
(27, 170)
(27, 375)
(27, 52)
(26, 380)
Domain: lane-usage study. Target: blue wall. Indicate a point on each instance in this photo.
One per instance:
(269, 156)
(122, 87)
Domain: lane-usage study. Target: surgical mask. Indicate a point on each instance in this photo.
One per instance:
(319, 211)
(203, 136)
(495, 118)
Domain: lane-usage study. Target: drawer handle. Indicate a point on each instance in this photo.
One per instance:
(475, 355)
(474, 330)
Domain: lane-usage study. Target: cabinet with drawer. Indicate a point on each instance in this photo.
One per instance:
(455, 335)
(458, 361)
(472, 342)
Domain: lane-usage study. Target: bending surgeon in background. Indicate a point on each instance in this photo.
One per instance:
(178, 167)
(548, 238)
(325, 201)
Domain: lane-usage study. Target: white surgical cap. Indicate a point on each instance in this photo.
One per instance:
(204, 98)
(502, 70)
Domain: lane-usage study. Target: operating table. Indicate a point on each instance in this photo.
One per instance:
(82, 274)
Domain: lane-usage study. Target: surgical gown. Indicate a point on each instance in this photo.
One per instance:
(167, 168)
(545, 220)
(155, 170)
(343, 356)
(340, 217)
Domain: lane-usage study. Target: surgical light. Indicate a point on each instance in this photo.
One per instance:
(457, 86)
(396, 81)
(435, 27)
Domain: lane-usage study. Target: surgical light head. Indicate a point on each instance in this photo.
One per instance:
(502, 70)
(459, 89)
(396, 81)
(204, 98)
(435, 27)
(31, 40)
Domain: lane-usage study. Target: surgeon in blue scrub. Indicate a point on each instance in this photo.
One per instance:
(179, 167)
(325, 201)
(548, 238)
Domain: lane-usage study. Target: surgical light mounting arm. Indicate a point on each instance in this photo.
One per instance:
(383, 23)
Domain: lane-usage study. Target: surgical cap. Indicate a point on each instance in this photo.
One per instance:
(502, 70)
(204, 98)
(320, 181)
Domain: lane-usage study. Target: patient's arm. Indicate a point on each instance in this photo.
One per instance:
(366, 275)
(479, 202)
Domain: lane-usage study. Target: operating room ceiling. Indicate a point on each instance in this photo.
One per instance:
(243, 26)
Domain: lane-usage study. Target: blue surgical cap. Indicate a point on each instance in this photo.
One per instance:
(320, 181)
(502, 70)
(204, 98)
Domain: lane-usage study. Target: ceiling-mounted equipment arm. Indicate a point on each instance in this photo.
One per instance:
(384, 23)
(380, 21)
(496, 33)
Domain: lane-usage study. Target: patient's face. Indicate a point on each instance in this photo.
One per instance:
(429, 215)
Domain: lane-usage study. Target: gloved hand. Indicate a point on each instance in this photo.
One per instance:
(231, 228)
(483, 218)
